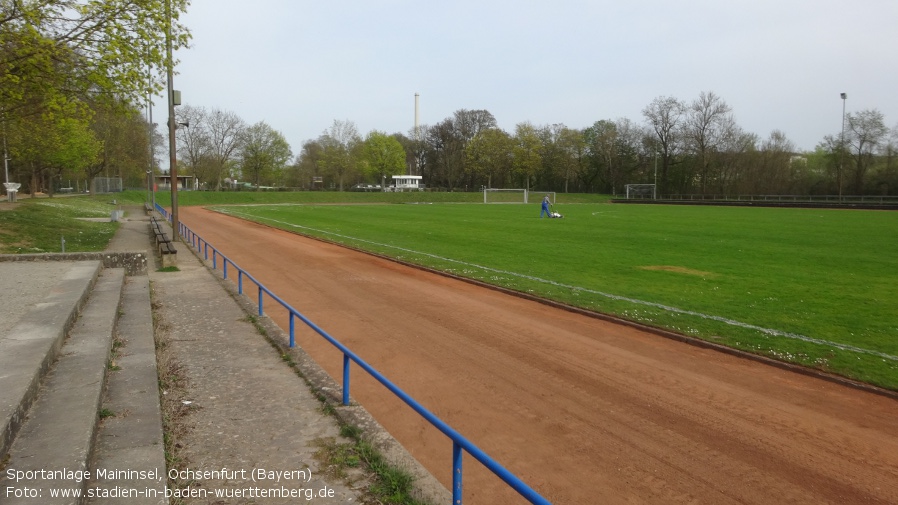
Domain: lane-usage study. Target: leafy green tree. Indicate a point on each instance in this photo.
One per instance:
(552, 155)
(65, 61)
(124, 138)
(571, 144)
(61, 51)
(264, 154)
(383, 155)
(342, 146)
(489, 155)
(601, 153)
(527, 159)
(48, 148)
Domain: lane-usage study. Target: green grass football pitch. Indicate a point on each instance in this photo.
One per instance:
(809, 286)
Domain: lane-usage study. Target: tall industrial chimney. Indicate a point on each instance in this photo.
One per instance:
(417, 136)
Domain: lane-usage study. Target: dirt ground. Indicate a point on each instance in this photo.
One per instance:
(582, 410)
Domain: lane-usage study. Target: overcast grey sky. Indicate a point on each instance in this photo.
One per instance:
(299, 65)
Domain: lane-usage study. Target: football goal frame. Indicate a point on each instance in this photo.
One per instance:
(641, 192)
(514, 195)
(497, 195)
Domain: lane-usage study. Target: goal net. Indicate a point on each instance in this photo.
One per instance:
(101, 185)
(494, 195)
(640, 191)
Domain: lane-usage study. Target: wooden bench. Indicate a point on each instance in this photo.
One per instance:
(167, 249)
(159, 232)
(148, 207)
(169, 254)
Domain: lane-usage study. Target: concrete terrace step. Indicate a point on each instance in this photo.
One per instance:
(56, 440)
(36, 318)
(129, 459)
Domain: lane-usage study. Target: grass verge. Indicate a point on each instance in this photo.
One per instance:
(172, 391)
(40, 225)
(352, 459)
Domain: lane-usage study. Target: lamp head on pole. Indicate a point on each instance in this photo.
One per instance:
(843, 95)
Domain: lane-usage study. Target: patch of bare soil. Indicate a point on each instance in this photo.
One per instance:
(679, 270)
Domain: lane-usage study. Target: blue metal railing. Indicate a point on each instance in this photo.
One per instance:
(459, 443)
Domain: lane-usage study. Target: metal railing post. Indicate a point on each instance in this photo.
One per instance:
(345, 379)
(457, 455)
(224, 267)
(239, 281)
(292, 329)
(261, 311)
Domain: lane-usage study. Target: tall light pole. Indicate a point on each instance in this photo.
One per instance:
(152, 156)
(842, 144)
(150, 132)
(5, 155)
(172, 147)
(655, 189)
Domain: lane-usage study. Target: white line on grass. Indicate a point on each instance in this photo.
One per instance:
(731, 322)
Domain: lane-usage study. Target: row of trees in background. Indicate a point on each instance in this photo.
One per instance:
(73, 74)
(699, 148)
(221, 151)
(684, 147)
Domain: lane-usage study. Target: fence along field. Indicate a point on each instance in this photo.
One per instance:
(808, 286)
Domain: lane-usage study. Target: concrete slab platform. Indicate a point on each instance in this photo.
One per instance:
(43, 311)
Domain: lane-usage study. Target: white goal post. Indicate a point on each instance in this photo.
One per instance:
(641, 191)
(496, 195)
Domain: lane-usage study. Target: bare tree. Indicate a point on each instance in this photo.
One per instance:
(469, 123)
(775, 164)
(664, 116)
(225, 130)
(193, 141)
(888, 151)
(309, 164)
(865, 131)
(445, 153)
(707, 123)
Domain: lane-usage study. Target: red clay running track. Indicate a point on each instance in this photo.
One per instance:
(584, 411)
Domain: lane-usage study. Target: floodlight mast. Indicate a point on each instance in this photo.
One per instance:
(415, 169)
(172, 147)
(5, 155)
(842, 144)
